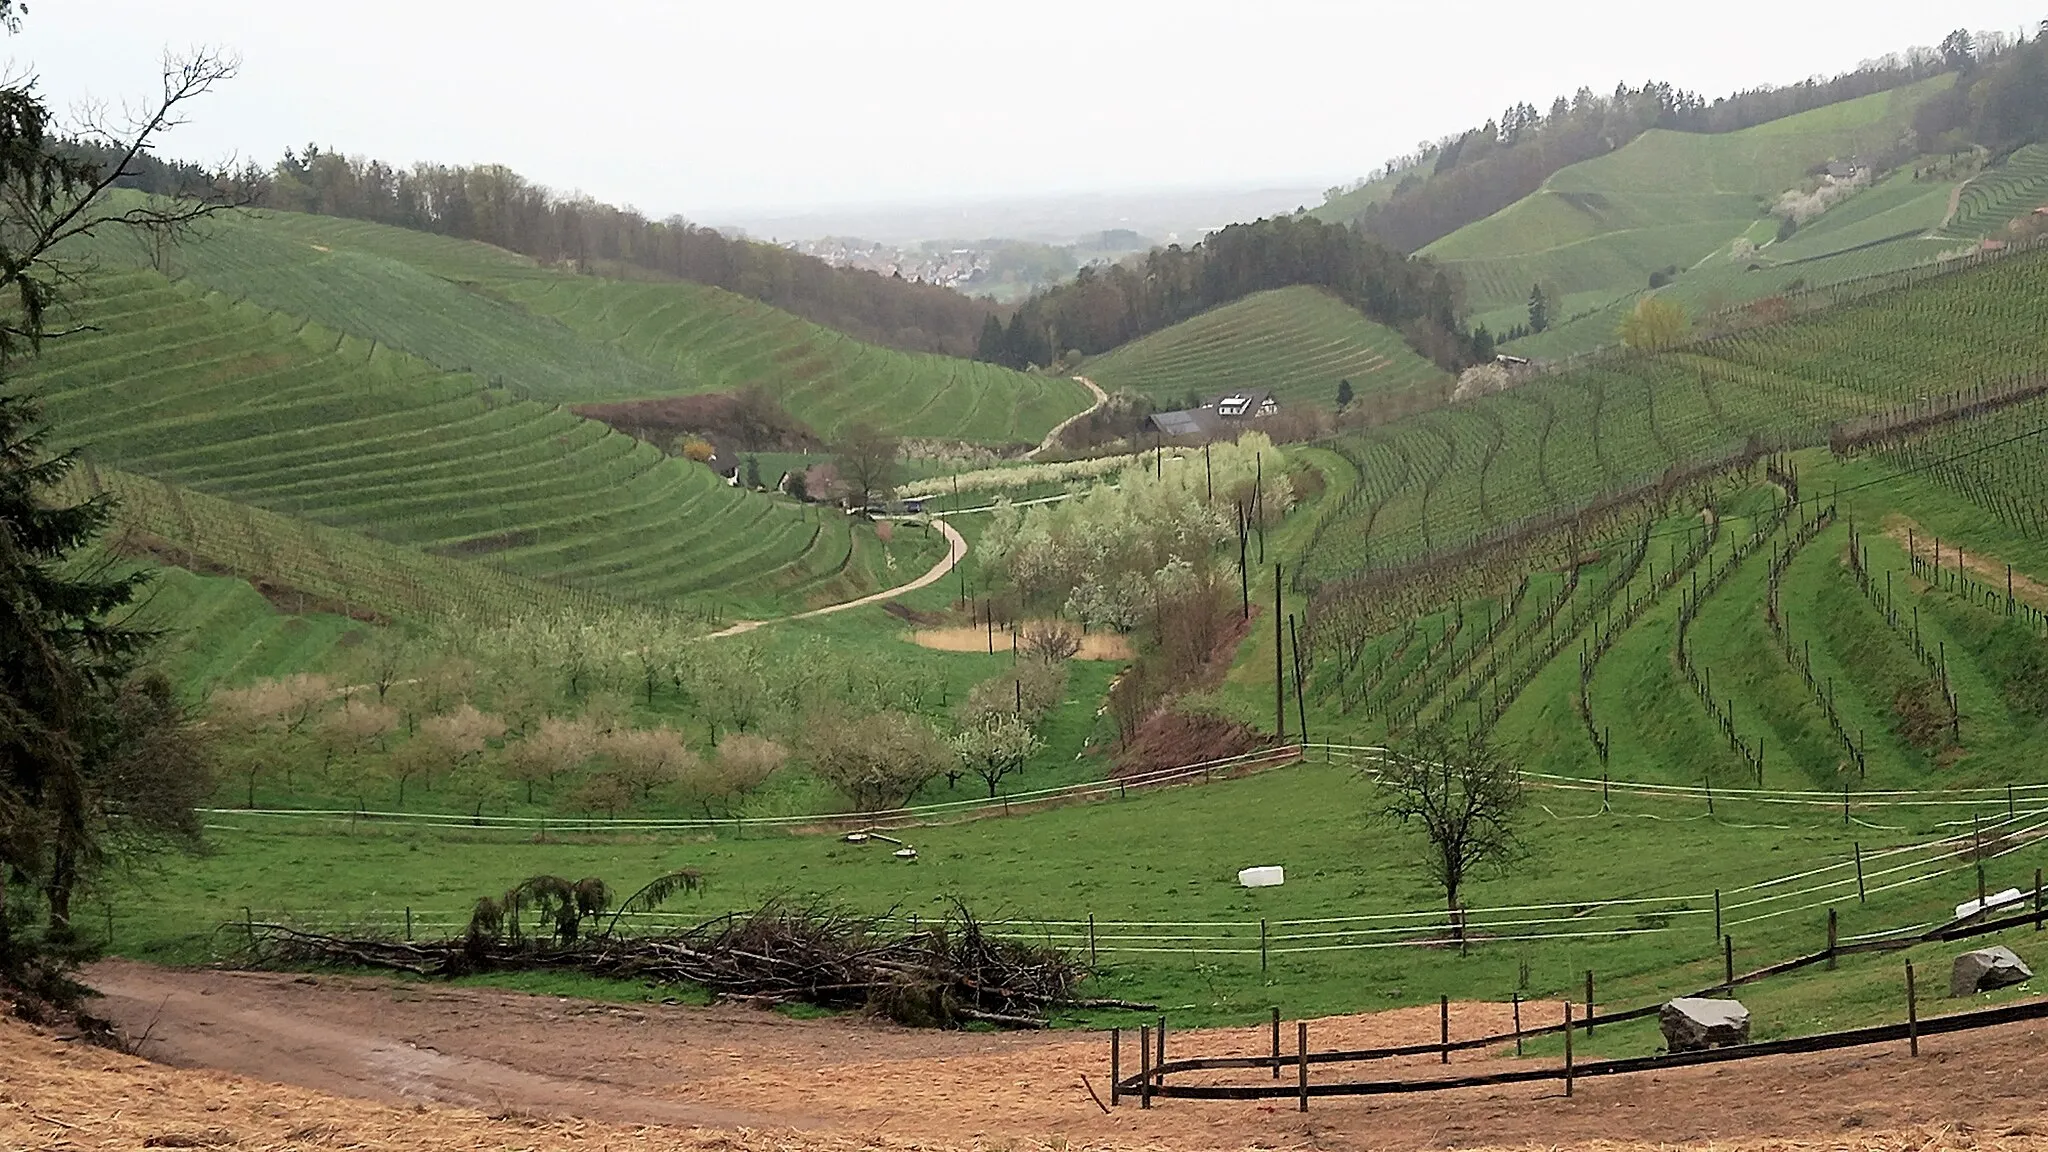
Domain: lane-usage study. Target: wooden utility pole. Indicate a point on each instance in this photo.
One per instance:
(1279, 679)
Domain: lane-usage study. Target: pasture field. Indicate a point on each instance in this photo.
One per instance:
(1298, 342)
(268, 410)
(1449, 477)
(1172, 925)
(1666, 198)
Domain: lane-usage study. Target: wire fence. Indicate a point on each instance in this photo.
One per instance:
(1807, 891)
(1849, 802)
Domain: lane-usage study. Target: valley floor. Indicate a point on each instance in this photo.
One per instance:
(451, 1067)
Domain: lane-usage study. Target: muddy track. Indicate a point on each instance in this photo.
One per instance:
(724, 1067)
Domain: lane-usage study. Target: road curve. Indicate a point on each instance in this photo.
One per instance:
(1053, 437)
(956, 551)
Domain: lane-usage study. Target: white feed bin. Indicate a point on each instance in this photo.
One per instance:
(1995, 900)
(1268, 876)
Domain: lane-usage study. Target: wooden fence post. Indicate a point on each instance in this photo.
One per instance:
(408, 923)
(1276, 1041)
(1912, 1015)
(1717, 911)
(1144, 1066)
(1567, 1047)
(1518, 1023)
(1589, 1001)
(1116, 1051)
(1091, 939)
(1159, 1059)
(1301, 1063)
(1859, 872)
(1728, 961)
(1262, 943)
(1443, 1016)
(2037, 899)
(1833, 939)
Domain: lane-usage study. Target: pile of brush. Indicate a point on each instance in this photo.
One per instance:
(940, 974)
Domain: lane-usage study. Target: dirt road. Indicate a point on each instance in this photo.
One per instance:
(1052, 438)
(654, 1064)
(956, 551)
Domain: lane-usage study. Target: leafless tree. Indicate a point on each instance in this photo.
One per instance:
(55, 198)
(1468, 799)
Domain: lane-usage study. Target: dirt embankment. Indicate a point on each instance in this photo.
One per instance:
(437, 1063)
(1908, 534)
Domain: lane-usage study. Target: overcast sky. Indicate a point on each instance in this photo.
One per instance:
(701, 108)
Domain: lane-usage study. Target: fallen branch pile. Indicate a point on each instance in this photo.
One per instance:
(943, 975)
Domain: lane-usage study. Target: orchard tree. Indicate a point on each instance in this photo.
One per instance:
(1467, 799)
(995, 746)
(867, 462)
(1654, 324)
(1344, 394)
(877, 761)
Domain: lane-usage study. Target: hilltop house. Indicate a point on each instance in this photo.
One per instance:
(1218, 418)
(1848, 169)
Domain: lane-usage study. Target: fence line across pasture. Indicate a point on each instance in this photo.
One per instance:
(1575, 920)
(1278, 756)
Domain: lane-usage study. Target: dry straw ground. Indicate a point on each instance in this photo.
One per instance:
(409, 1068)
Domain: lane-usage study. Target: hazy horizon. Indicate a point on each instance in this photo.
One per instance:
(785, 109)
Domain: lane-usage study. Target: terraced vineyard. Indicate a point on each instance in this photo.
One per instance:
(1754, 637)
(1597, 229)
(550, 335)
(268, 410)
(1455, 475)
(719, 341)
(398, 292)
(1997, 196)
(1299, 342)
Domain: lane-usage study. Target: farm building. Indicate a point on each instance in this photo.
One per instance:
(1217, 418)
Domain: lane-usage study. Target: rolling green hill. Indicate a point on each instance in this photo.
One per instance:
(553, 336)
(722, 342)
(1598, 229)
(270, 410)
(1299, 342)
(1890, 227)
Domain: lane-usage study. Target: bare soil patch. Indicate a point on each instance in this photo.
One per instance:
(1169, 738)
(563, 1073)
(1094, 645)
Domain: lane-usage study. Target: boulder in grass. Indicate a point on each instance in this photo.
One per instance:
(1696, 1023)
(1985, 969)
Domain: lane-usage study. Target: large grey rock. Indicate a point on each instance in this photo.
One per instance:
(1695, 1023)
(1985, 969)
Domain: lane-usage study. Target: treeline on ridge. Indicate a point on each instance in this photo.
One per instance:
(1107, 306)
(1482, 170)
(496, 205)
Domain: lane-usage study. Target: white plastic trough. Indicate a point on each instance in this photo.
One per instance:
(1267, 876)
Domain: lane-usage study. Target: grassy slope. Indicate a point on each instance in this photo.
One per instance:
(472, 308)
(1597, 229)
(267, 409)
(719, 341)
(1299, 342)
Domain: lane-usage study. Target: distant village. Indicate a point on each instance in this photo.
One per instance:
(955, 268)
